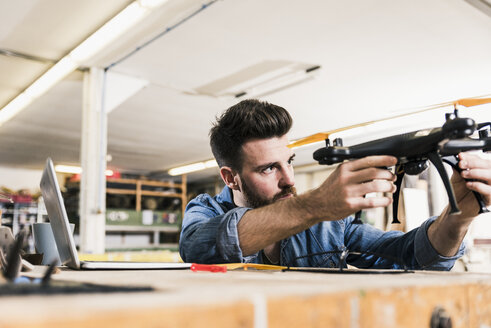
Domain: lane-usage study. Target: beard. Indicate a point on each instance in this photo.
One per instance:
(254, 200)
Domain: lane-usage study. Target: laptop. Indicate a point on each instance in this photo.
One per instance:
(64, 238)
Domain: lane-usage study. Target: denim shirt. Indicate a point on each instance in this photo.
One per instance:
(209, 235)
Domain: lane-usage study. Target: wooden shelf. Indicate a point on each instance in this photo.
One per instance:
(148, 182)
(120, 191)
(139, 191)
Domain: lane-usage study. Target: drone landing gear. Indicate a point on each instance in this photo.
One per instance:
(357, 219)
(395, 200)
(412, 168)
(400, 175)
(437, 161)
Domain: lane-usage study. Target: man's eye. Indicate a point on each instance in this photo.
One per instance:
(269, 169)
(291, 160)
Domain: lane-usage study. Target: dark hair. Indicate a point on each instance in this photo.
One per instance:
(249, 119)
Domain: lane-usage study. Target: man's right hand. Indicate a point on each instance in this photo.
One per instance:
(343, 192)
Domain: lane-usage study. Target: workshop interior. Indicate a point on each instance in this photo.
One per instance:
(110, 103)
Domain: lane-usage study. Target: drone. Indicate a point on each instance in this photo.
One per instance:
(413, 150)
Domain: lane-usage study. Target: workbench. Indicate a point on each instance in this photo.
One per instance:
(253, 298)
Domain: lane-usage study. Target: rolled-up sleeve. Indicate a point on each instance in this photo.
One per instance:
(427, 257)
(209, 234)
(395, 249)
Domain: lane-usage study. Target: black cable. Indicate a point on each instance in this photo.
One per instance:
(12, 53)
(345, 253)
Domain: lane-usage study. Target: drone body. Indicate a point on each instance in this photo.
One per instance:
(414, 149)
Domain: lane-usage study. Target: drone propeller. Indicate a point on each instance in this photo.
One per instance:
(469, 102)
(321, 136)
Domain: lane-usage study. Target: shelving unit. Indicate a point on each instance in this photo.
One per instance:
(18, 215)
(140, 220)
(139, 190)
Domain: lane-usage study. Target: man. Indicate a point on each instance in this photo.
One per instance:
(258, 217)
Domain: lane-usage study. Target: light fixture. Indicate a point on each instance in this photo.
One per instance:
(75, 169)
(260, 79)
(119, 24)
(68, 169)
(285, 80)
(15, 106)
(194, 167)
(122, 22)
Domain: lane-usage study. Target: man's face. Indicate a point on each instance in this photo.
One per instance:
(267, 172)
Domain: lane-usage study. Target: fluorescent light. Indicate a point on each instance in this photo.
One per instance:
(75, 169)
(12, 108)
(193, 167)
(114, 28)
(55, 74)
(121, 23)
(68, 169)
(109, 32)
(151, 3)
(39, 87)
(211, 163)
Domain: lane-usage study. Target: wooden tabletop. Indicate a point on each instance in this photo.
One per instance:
(253, 298)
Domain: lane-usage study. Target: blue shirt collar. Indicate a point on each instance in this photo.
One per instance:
(225, 199)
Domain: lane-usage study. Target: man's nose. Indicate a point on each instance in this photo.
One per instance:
(287, 178)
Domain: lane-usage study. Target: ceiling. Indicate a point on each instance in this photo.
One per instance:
(377, 57)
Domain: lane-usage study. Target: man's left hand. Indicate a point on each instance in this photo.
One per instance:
(448, 231)
(477, 174)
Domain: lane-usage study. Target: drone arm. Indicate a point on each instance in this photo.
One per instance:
(437, 161)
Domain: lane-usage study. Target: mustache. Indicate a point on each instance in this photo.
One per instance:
(285, 191)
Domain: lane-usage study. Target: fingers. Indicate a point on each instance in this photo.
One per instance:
(372, 161)
(469, 161)
(482, 188)
(377, 186)
(369, 202)
(368, 169)
(356, 199)
(369, 174)
(343, 192)
(477, 172)
(475, 168)
(480, 181)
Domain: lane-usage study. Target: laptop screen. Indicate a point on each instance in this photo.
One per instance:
(58, 217)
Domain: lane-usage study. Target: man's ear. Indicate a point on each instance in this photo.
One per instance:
(229, 177)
